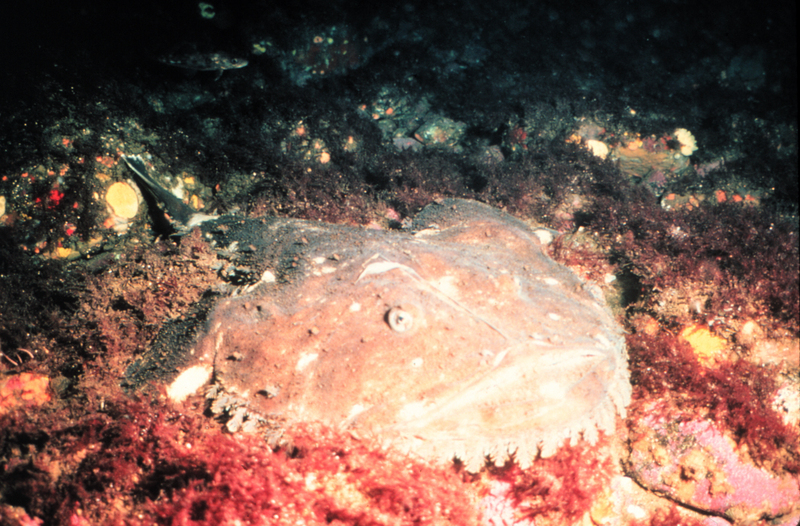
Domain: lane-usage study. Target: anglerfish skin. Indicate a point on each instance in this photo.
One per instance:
(463, 339)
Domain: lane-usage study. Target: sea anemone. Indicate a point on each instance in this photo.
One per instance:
(688, 143)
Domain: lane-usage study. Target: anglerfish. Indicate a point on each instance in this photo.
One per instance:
(456, 338)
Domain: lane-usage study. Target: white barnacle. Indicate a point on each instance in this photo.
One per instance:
(305, 360)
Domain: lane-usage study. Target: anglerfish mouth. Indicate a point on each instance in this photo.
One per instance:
(522, 404)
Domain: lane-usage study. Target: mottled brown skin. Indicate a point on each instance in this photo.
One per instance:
(502, 350)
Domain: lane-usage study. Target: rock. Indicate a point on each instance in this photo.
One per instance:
(696, 463)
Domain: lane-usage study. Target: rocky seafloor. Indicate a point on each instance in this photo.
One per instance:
(656, 142)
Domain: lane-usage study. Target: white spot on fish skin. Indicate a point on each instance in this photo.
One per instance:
(595, 292)
(323, 270)
(427, 232)
(553, 316)
(545, 236)
(355, 307)
(552, 281)
(412, 411)
(484, 354)
(188, 382)
(355, 411)
(305, 360)
(636, 512)
(602, 340)
(416, 363)
(268, 277)
(553, 390)
(379, 268)
(447, 285)
(499, 358)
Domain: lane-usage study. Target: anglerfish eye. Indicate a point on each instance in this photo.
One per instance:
(399, 319)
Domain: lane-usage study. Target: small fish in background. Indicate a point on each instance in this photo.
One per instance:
(218, 62)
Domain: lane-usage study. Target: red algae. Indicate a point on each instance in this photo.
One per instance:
(328, 478)
(561, 488)
(737, 394)
(24, 390)
(143, 464)
(711, 262)
(672, 517)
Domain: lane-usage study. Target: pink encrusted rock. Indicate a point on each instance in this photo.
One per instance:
(695, 463)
